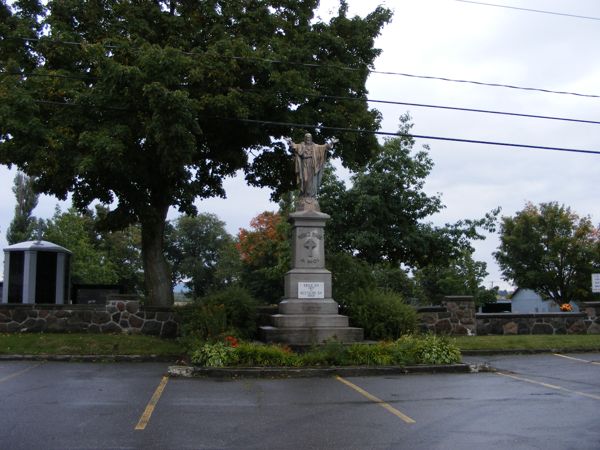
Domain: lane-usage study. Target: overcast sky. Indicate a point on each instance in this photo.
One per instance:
(459, 40)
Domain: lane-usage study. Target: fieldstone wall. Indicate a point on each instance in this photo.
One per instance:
(117, 316)
(455, 316)
(585, 322)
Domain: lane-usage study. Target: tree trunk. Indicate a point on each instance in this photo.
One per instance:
(157, 275)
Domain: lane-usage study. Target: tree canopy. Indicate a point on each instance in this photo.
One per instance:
(196, 248)
(108, 257)
(550, 249)
(148, 105)
(383, 215)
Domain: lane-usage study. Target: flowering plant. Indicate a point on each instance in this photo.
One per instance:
(231, 341)
(565, 307)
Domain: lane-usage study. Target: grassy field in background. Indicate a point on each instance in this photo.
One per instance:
(86, 344)
(530, 342)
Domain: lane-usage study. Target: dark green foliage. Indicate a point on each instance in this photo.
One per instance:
(196, 248)
(145, 104)
(349, 274)
(22, 227)
(200, 322)
(240, 309)
(460, 276)
(228, 311)
(382, 216)
(383, 315)
(99, 257)
(550, 249)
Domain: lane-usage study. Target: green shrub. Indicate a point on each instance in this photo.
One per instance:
(332, 353)
(382, 315)
(428, 349)
(379, 354)
(240, 309)
(258, 355)
(229, 311)
(203, 322)
(216, 354)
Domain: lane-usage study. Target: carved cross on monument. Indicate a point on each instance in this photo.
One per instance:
(310, 246)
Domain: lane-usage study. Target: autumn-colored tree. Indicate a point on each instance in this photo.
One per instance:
(265, 253)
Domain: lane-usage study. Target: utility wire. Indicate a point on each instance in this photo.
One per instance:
(529, 10)
(370, 100)
(391, 102)
(456, 108)
(356, 130)
(416, 136)
(354, 69)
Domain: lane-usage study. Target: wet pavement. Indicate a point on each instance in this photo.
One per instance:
(531, 402)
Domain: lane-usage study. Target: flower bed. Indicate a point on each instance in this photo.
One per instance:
(408, 350)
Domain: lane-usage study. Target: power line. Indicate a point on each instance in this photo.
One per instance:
(456, 108)
(416, 136)
(373, 71)
(370, 100)
(356, 130)
(529, 10)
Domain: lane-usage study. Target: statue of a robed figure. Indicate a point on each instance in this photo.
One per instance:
(309, 161)
(308, 314)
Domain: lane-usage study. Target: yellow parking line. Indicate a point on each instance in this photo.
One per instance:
(380, 402)
(145, 418)
(577, 359)
(550, 386)
(21, 372)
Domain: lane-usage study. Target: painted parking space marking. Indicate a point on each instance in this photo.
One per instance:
(376, 400)
(145, 418)
(20, 372)
(577, 359)
(549, 386)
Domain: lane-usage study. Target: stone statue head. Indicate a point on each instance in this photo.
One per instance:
(308, 138)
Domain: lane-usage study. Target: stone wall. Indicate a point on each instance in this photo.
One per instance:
(117, 316)
(585, 322)
(455, 316)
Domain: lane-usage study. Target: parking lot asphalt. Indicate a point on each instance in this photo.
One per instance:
(530, 402)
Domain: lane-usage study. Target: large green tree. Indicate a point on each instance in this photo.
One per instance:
(550, 249)
(384, 215)
(148, 105)
(196, 246)
(461, 275)
(22, 226)
(99, 256)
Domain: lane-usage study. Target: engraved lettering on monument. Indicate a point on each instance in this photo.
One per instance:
(311, 289)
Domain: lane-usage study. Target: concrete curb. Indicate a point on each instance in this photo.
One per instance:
(309, 372)
(525, 351)
(90, 358)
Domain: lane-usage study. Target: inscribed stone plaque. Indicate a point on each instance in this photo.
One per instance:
(596, 282)
(311, 290)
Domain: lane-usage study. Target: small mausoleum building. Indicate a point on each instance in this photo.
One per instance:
(36, 272)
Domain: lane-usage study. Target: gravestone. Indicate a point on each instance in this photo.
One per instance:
(308, 314)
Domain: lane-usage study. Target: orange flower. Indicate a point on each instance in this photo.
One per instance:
(231, 341)
(565, 307)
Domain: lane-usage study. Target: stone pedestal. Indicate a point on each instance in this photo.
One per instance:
(308, 314)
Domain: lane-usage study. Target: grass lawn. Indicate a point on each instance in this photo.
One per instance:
(122, 344)
(86, 344)
(571, 342)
